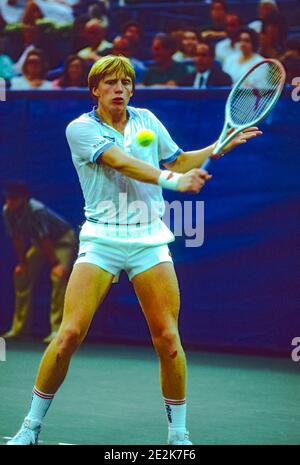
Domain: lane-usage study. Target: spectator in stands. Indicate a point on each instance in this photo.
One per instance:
(189, 39)
(165, 71)
(273, 36)
(74, 74)
(238, 65)
(134, 33)
(230, 46)
(11, 11)
(78, 39)
(265, 8)
(34, 72)
(187, 47)
(53, 242)
(98, 9)
(291, 59)
(7, 70)
(94, 32)
(292, 48)
(123, 46)
(58, 11)
(217, 29)
(207, 73)
(30, 33)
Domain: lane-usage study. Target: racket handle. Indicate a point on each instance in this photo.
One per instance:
(206, 163)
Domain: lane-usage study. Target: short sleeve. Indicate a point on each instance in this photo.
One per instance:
(86, 142)
(168, 150)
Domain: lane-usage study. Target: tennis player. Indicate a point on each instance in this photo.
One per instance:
(111, 165)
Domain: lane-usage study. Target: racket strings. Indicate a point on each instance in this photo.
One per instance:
(255, 94)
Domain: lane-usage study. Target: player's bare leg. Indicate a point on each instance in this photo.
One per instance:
(86, 289)
(158, 293)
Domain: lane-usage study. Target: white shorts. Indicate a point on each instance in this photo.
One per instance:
(114, 254)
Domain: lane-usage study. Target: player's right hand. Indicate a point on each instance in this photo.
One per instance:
(193, 180)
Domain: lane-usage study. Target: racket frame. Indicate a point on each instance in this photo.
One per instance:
(223, 141)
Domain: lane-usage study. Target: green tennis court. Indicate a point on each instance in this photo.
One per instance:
(112, 396)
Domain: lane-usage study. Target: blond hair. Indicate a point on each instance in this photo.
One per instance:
(110, 64)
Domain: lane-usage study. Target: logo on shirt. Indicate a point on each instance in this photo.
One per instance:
(112, 139)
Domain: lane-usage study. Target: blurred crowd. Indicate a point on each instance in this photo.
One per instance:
(51, 44)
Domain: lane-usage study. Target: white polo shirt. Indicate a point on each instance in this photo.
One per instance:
(110, 197)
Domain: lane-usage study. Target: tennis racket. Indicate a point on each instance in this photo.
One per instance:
(250, 100)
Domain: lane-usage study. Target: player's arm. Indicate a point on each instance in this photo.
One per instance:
(189, 160)
(192, 181)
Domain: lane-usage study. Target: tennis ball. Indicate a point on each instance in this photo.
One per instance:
(145, 137)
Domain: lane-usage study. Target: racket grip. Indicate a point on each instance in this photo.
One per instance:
(206, 163)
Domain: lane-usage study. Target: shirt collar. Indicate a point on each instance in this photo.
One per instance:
(93, 114)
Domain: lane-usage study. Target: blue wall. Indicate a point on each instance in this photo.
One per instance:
(240, 290)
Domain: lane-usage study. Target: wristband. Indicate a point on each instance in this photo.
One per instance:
(169, 180)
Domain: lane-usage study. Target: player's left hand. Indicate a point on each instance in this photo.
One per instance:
(242, 137)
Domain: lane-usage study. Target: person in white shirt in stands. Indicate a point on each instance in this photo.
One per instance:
(12, 10)
(238, 65)
(230, 46)
(34, 72)
(57, 11)
(110, 165)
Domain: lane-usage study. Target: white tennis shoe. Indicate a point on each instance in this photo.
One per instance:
(179, 438)
(27, 435)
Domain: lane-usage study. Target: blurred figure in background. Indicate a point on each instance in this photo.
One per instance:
(230, 46)
(238, 65)
(265, 8)
(187, 47)
(165, 71)
(12, 11)
(74, 74)
(31, 36)
(291, 60)
(123, 46)
(7, 70)
(52, 241)
(207, 73)
(217, 29)
(57, 11)
(189, 40)
(273, 36)
(132, 31)
(94, 9)
(34, 71)
(94, 32)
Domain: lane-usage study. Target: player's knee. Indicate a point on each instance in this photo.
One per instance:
(167, 343)
(69, 340)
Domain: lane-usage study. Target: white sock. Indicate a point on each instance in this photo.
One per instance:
(176, 414)
(39, 404)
